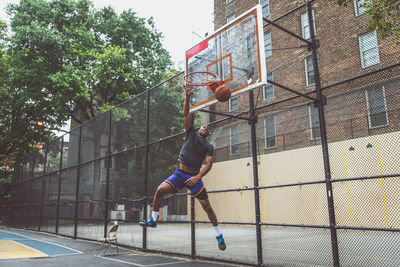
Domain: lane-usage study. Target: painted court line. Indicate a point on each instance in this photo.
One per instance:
(31, 238)
(147, 265)
(30, 248)
(27, 239)
(121, 253)
(169, 263)
(126, 262)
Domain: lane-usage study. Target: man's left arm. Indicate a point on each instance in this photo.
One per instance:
(203, 171)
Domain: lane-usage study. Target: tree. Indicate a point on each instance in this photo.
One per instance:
(5, 184)
(81, 59)
(67, 60)
(17, 107)
(64, 59)
(384, 16)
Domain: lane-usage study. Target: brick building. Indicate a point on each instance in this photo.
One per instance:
(359, 74)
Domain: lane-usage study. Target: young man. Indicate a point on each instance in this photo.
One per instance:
(194, 151)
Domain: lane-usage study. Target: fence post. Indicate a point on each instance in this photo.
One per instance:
(77, 183)
(14, 183)
(108, 173)
(146, 170)
(59, 183)
(321, 101)
(192, 226)
(43, 183)
(252, 122)
(30, 191)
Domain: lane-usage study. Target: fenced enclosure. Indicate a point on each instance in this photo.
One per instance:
(306, 169)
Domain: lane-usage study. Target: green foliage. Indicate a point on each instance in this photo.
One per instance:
(166, 112)
(18, 107)
(3, 29)
(5, 185)
(88, 58)
(384, 16)
(65, 59)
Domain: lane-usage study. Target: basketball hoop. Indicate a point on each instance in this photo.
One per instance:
(203, 78)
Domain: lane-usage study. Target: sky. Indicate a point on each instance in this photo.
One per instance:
(182, 22)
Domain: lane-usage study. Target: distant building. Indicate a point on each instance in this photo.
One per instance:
(357, 106)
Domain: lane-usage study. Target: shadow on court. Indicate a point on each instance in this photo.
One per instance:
(29, 248)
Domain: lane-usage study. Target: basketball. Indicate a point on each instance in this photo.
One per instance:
(213, 86)
(222, 93)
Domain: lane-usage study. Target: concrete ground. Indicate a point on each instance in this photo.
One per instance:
(281, 246)
(77, 253)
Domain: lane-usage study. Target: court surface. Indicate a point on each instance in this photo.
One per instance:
(14, 245)
(29, 248)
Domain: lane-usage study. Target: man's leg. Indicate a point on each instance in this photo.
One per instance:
(206, 205)
(163, 188)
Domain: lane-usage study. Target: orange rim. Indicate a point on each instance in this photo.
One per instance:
(202, 81)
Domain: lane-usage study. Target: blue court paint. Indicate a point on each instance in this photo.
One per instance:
(46, 248)
(10, 236)
(49, 249)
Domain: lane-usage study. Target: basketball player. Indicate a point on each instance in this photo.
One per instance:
(194, 151)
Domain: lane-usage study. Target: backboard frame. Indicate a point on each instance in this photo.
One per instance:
(260, 57)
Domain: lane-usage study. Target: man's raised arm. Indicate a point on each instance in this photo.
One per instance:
(187, 120)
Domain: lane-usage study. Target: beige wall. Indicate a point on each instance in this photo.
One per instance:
(367, 203)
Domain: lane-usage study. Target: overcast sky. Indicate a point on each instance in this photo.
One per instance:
(180, 21)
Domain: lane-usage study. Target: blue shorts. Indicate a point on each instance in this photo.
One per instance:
(178, 181)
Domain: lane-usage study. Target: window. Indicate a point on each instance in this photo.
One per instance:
(314, 123)
(369, 52)
(229, 1)
(234, 136)
(270, 134)
(269, 88)
(310, 76)
(267, 44)
(377, 110)
(233, 103)
(359, 9)
(230, 18)
(265, 7)
(305, 27)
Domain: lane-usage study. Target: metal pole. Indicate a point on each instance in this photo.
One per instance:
(59, 183)
(44, 179)
(252, 122)
(192, 226)
(287, 31)
(146, 170)
(108, 173)
(11, 210)
(77, 183)
(30, 191)
(324, 142)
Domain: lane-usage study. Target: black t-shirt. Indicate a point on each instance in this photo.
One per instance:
(194, 150)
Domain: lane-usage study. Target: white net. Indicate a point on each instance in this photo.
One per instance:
(201, 78)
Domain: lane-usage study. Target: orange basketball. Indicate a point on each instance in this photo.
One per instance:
(222, 93)
(213, 86)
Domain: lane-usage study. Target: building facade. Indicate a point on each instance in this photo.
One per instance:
(358, 74)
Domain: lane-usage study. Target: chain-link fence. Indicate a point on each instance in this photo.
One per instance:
(308, 175)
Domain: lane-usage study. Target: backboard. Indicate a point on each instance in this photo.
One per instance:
(235, 52)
